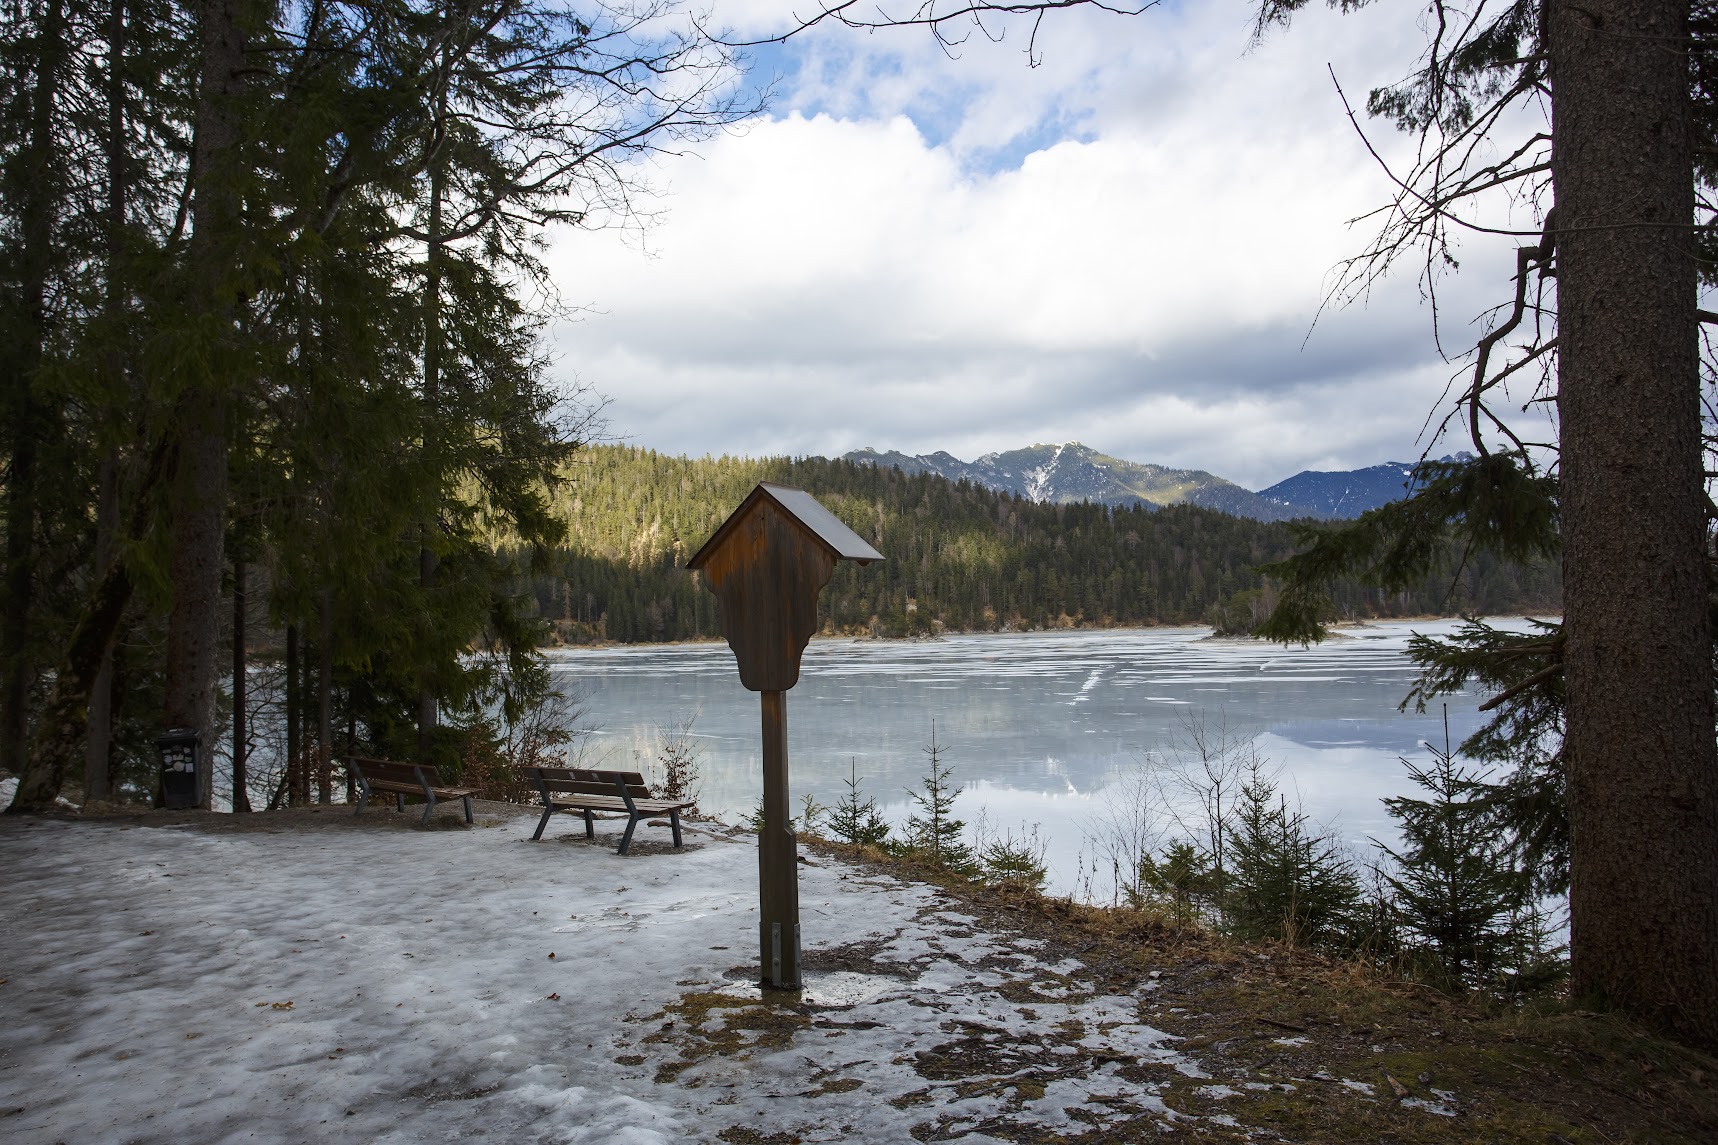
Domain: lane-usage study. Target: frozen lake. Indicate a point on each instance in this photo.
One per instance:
(1042, 729)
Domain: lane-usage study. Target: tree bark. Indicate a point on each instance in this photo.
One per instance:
(293, 703)
(99, 744)
(64, 724)
(241, 796)
(198, 498)
(325, 703)
(432, 380)
(1643, 773)
(25, 416)
(426, 697)
(61, 731)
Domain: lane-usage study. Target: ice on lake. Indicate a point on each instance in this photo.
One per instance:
(1041, 728)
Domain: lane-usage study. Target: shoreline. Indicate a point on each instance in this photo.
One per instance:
(1338, 627)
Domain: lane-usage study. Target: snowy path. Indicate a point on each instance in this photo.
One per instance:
(171, 985)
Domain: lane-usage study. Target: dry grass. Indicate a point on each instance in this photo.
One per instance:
(1323, 1049)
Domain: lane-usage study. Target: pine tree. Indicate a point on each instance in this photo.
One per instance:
(934, 834)
(1015, 861)
(308, 227)
(1286, 881)
(1456, 889)
(855, 821)
(1184, 879)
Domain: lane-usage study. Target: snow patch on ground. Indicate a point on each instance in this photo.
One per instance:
(171, 985)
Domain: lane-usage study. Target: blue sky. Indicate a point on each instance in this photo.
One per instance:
(1126, 245)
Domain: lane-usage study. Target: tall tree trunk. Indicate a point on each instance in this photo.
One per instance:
(65, 718)
(432, 378)
(61, 731)
(325, 703)
(426, 696)
(198, 498)
(1643, 774)
(301, 789)
(293, 703)
(25, 416)
(241, 795)
(99, 745)
(197, 501)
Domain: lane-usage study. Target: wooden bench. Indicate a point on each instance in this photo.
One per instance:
(583, 790)
(392, 777)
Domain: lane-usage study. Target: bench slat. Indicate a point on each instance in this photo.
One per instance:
(418, 789)
(586, 775)
(597, 803)
(593, 789)
(392, 769)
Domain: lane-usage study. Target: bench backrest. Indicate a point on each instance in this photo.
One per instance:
(393, 771)
(585, 781)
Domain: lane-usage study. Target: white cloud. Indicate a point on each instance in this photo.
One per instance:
(1126, 246)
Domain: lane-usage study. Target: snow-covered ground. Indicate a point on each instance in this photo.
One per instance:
(358, 982)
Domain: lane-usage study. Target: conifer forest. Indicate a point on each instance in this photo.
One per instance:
(271, 370)
(961, 557)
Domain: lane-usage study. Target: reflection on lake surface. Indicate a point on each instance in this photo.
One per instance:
(1041, 728)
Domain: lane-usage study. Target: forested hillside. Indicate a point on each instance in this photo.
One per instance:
(959, 556)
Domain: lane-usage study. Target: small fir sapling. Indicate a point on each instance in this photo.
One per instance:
(755, 820)
(1455, 891)
(1012, 861)
(1524, 735)
(1182, 880)
(933, 835)
(853, 820)
(807, 822)
(812, 815)
(1286, 880)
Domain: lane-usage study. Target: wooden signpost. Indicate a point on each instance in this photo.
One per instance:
(767, 564)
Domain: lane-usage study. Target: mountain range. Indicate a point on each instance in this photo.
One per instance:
(1073, 472)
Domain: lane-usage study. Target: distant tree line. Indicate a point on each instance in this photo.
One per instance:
(960, 557)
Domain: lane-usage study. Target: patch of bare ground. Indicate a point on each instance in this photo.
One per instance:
(1306, 1048)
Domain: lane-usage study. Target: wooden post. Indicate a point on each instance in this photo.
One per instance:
(778, 857)
(767, 564)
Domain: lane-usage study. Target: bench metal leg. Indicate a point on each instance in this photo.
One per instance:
(590, 826)
(399, 803)
(467, 799)
(626, 839)
(363, 798)
(674, 824)
(543, 822)
(429, 806)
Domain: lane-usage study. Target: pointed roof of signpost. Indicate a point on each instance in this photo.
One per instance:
(822, 525)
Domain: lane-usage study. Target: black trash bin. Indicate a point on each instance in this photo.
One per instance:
(180, 758)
